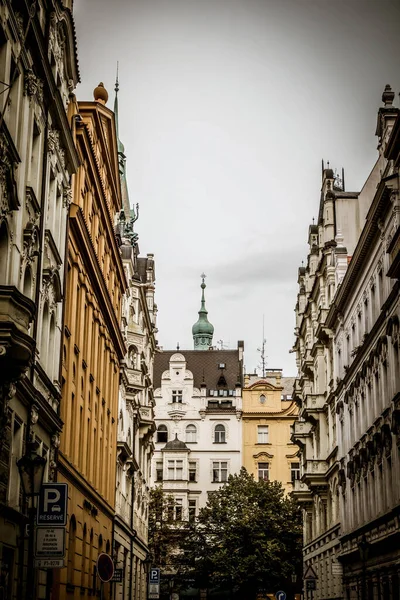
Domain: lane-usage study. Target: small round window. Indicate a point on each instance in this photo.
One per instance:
(262, 399)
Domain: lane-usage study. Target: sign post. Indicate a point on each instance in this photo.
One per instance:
(51, 519)
(310, 578)
(154, 584)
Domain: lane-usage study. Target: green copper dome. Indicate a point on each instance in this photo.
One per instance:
(202, 330)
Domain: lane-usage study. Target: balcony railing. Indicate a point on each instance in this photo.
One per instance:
(302, 429)
(313, 403)
(314, 472)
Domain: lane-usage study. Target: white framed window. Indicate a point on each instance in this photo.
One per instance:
(294, 471)
(175, 509)
(262, 434)
(263, 471)
(175, 469)
(192, 509)
(159, 470)
(192, 471)
(162, 434)
(191, 434)
(219, 434)
(177, 396)
(220, 471)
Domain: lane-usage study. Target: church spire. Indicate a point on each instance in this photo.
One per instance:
(202, 330)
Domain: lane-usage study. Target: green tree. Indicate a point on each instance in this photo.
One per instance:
(247, 538)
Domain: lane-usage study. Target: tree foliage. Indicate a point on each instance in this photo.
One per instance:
(248, 537)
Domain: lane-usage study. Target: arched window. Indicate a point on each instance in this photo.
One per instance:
(28, 283)
(219, 434)
(3, 253)
(71, 550)
(45, 334)
(162, 434)
(83, 567)
(191, 434)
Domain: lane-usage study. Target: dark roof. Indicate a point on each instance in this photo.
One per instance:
(175, 445)
(203, 362)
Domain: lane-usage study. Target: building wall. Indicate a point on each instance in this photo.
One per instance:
(92, 351)
(37, 159)
(339, 318)
(367, 392)
(203, 412)
(135, 424)
(267, 402)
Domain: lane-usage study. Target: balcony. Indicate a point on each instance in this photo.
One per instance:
(314, 472)
(146, 415)
(301, 492)
(313, 404)
(302, 429)
(16, 345)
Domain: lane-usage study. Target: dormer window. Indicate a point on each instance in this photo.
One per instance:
(177, 396)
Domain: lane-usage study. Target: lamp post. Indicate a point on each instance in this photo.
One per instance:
(31, 470)
(147, 564)
(363, 548)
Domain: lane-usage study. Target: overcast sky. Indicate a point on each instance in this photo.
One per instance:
(226, 109)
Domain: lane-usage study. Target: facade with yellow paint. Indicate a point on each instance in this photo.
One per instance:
(93, 349)
(268, 417)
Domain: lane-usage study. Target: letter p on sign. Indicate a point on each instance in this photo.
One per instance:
(51, 496)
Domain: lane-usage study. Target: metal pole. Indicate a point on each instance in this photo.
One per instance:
(31, 571)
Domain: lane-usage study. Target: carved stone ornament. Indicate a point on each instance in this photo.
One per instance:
(67, 197)
(33, 86)
(54, 146)
(5, 162)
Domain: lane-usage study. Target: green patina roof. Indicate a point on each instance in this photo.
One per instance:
(202, 326)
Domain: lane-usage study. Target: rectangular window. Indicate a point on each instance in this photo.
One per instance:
(192, 471)
(178, 509)
(263, 471)
(159, 470)
(192, 509)
(262, 434)
(177, 396)
(220, 471)
(294, 471)
(175, 469)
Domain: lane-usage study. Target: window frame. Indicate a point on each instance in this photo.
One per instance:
(162, 431)
(193, 432)
(174, 469)
(177, 396)
(263, 469)
(220, 470)
(219, 433)
(262, 436)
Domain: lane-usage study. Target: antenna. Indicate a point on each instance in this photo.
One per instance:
(262, 352)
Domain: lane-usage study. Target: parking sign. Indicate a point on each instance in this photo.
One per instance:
(52, 504)
(154, 576)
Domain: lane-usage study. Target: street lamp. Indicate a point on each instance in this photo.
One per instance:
(147, 564)
(363, 548)
(31, 471)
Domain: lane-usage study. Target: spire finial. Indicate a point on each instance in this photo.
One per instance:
(202, 330)
(116, 80)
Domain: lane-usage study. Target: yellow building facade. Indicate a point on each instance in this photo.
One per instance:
(268, 417)
(92, 351)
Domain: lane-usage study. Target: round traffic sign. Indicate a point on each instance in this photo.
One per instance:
(105, 567)
(280, 595)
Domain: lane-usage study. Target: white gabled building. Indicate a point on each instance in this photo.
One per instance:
(198, 395)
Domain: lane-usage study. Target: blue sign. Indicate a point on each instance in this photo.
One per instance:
(52, 504)
(280, 595)
(154, 576)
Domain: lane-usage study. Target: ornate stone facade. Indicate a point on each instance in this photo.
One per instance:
(346, 388)
(93, 348)
(269, 413)
(34, 176)
(135, 424)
